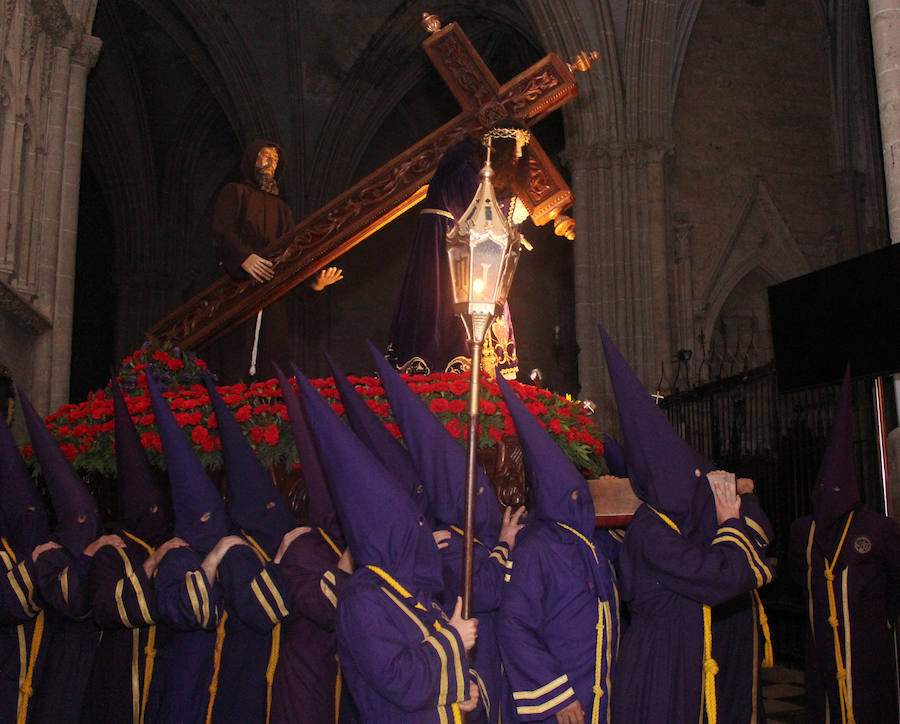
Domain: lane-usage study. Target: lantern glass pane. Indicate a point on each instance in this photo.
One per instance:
(459, 271)
(509, 271)
(487, 262)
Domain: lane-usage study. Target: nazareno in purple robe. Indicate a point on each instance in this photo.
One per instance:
(21, 631)
(123, 602)
(254, 607)
(307, 669)
(856, 553)
(867, 592)
(559, 620)
(399, 657)
(190, 609)
(426, 335)
(23, 525)
(72, 636)
(307, 664)
(675, 561)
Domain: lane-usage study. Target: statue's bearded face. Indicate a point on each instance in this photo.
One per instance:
(266, 161)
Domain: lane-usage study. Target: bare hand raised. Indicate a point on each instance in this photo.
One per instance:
(326, 277)
(467, 628)
(103, 540)
(258, 267)
(728, 504)
(289, 538)
(511, 525)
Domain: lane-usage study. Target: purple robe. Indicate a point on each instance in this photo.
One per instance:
(489, 570)
(124, 607)
(401, 660)
(426, 334)
(254, 607)
(190, 609)
(307, 665)
(72, 636)
(867, 593)
(666, 579)
(21, 632)
(559, 624)
(738, 643)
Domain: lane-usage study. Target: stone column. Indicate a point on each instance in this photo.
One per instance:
(82, 60)
(621, 264)
(885, 19)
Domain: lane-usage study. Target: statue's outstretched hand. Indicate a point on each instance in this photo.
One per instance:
(326, 277)
(258, 267)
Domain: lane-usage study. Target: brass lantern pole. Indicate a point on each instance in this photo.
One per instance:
(483, 250)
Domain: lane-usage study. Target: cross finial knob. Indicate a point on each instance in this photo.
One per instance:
(431, 23)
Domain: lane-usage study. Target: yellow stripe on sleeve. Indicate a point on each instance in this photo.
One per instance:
(254, 586)
(276, 594)
(541, 708)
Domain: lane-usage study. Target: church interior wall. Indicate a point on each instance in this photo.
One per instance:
(755, 107)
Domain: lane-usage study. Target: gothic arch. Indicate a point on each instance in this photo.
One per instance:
(760, 242)
(397, 44)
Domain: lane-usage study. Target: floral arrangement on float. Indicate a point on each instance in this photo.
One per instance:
(86, 434)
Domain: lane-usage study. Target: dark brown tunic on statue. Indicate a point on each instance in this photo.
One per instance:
(246, 220)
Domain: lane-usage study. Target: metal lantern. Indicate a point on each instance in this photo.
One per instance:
(483, 249)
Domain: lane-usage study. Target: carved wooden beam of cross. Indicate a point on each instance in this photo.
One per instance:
(397, 186)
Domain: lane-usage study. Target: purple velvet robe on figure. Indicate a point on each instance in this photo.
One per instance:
(426, 334)
(189, 611)
(124, 607)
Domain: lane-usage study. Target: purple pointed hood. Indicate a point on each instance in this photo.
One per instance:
(371, 430)
(439, 459)
(561, 493)
(614, 456)
(835, 492)
(255, 504)
(22, 514)
(142, 499)
(662, 467)
(380, 521)
(77, 515)
(320, 508)
(200, 516)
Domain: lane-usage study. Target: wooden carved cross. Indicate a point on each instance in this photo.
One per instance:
(398, 185)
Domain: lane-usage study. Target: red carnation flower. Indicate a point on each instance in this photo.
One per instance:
(487, 407)
(454, 428)
(439, 405)
(555, 426)
(256, 434)
(393, 429)
(456, 406)
(459, 386)
(243, 414)
(271, 435)
(175, 364)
